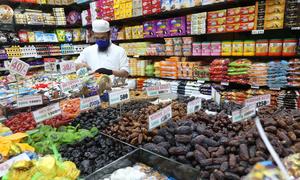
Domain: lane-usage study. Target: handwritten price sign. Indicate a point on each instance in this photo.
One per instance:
(194, 106)
(67, 67)
(18, 67)
(70, 85)
(47, 112)
(158, 90)
(243, 114)
(259, 101)
(27, 101)
(118, 96)
(160, 117)
(90, 102)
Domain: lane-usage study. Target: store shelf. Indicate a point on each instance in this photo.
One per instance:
(272, 33)
(31, 5)
(40, 43)
(31, 67)
(38, 57)
(45, 27)
(212, 57)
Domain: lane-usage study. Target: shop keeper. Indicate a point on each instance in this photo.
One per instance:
(104, 57)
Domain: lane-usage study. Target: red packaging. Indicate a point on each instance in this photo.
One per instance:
(216, 29)
(246, 26)
(233, 27)
(216, 22)
(147, 11)
(233, 11)
(248, 10)
(156, 9)
(23, 36)
(216, 14)
(155, 3)
(146, 3)
(247, 18)
(233, 19)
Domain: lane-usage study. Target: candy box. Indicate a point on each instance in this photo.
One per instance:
(216, 29)
(156, 3)
(150, 29)
(166, 5)
(247, 18)
(216, 14)
(233, 19)
(233, 27)
(247, 26)
(162, 28)
(217, 21)
(248, 10)
(234, 11)
(177, 26)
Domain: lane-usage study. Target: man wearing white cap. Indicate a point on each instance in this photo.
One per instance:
(104, 57)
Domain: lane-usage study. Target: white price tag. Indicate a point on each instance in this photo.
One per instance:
(254, 87)
(50, 67)
(90, 102)
(295, 28)
(194, 106)
(30, 100)
(160, 117)
(4, 167)
(275, 89)
(6, 64)
(47, 112)
(216, 96)
(119, 96)
(201, 81)
(18, 67)
(259, 101)
(71, 85)
(158, 90)
(257, 31)
(11, 78)
(244, 113)
(67, 67)
(225, 83)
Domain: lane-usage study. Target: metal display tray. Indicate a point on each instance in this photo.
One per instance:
(164, 165)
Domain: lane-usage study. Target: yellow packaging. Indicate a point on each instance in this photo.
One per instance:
(249, 48)
(237, 48)
(226, 48)
(128, 5)
(128, 33)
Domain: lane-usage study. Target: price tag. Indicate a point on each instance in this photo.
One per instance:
(225, 83)
(90, 102)
(4, 167)
(216, 96)
(136, 56)
(194, 106)
(275, 89)
(18, 67)
(244, 113)
(50, 67)
(30, 100)
(254, 87)
(11, 78)
(259, 101)
(200, 81)
(67, 67)
(160, 117)
(158, 90)
(47, 112)
(257, 31)
(119, 96)
(295, 28)
(6, 64)
(70, 85)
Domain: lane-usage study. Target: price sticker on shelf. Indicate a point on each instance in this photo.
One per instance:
(259, 101)
(90, 102)
(160, 117)
(18, 67)
(243, 114)
(70, 85)
(225, 83)
(216, 96)
(275, 89)
(194, 106)
(119, 96)
(295, 28)
(47, 112)
(257, 31)
(50, 67)
(67, 67)
(254, 87)
(30, 100)
(201, 81)
(158, 90)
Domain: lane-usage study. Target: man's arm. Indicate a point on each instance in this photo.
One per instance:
(124, 66)
(81, 61)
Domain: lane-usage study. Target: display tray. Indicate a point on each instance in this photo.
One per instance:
(164, 165)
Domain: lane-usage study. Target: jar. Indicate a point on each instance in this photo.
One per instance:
(261, 47)
(215, 47)
(275, 47)
(289, 47)
(206, 49)
(237, 48)
(249, 48)
(226, 48)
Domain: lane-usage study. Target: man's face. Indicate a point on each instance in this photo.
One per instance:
(102, 36)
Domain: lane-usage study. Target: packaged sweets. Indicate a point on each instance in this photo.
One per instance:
(261, 48)
(226, 48)
(237, 48)
(76, 34)
(61, 35)
(289, 47)
(275, 47)
(249, 48)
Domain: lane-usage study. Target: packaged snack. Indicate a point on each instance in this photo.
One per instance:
(262, 46)
(249, 48)
(76, 36)
(23, 36)
(69, 36)
(289, 47)
(237, 48)
(275, 47)
(226, 48)
(61, 35)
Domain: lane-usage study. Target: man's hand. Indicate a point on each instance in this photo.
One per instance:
(104, 71)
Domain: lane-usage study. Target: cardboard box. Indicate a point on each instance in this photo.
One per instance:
(233, 19)
(216, 29)
(177, 26)
(162, 28)
(216, 22)
(216, 14)
(234, 11)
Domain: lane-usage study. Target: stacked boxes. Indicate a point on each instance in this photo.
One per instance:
(122, 9)
(177, 26)
(168, 68)
(186, 70)
(138, 48)
(151, 6)
(59, 14)
(274, 14)
(196, 23)
(149, 29)
(134, 32)
(292, 15)
(162, 28)
(138, 67)
(216, 21)
(105, 9)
